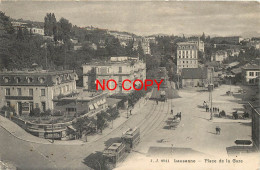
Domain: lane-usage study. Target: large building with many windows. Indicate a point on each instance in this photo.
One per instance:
(26, 90)
(250, 74)
(187, 55)
(118, 69)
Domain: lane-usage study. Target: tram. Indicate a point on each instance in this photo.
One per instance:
(114, 153)
(131, 138)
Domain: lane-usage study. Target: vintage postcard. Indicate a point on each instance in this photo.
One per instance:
(129, 85)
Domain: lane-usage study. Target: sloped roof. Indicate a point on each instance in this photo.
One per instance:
(251, 67)
(236, 70)
(194, 73)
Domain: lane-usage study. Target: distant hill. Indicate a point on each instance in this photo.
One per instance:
(250, 34)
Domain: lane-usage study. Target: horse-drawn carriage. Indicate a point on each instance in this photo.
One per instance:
(229, 93)
(175, 121)
(162, 96)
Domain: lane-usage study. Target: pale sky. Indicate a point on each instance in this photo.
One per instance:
(146, 18)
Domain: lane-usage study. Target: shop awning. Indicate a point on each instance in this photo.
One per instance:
(91, 107)
(96, 106)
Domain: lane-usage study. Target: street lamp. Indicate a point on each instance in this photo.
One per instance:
(52, 128)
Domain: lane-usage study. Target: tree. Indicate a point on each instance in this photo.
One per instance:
(140, 51)
(113, 114)
(35, 112)
(64, 30)
(7, 37)
(101, 120)
(49, 24)
(83, 124)
(203, 37)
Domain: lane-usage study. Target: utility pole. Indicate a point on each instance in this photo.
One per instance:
(211, 86)
(52, 128)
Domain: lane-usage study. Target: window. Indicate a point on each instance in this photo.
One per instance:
(41, 80)
(120, 69)
(43, 106)
(37, 105)
(30, 92)
(257, 73)
(7, 92)
(42, 92)
(71, 109)
(18, 79)
(251, 81)
(8, 104)
(6, 79)
(187, 61)
(251, 73)
(120, 78)
(183, 61)
(30, 80)
(19, 91)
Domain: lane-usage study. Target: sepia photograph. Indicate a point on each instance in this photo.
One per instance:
(129, 85)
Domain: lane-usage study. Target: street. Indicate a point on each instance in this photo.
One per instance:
(151, 120)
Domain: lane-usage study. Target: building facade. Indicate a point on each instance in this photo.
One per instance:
(250, 73)
(38, 31)
(219, 56)
(197, 77)
(118, 70)
(187, 55)
(26, 90)
(255, 112)
(83, 103)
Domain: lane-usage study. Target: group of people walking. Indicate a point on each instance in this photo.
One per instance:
(214, 109)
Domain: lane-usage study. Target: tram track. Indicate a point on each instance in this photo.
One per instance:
(153, 119)
(158, 120)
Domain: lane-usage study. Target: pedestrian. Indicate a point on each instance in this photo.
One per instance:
(171, 111)
(180, 115)
(218, 109)
(130, 111)
(157, 102)
(210, 110)
(218, 130)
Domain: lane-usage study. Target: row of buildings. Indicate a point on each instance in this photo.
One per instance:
(32, 29)
(57, 91)
(222, 55)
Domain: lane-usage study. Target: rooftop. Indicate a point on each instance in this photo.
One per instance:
(82, 95)
(114, 146)
(251, 67)
(34, 72)
(129, 61)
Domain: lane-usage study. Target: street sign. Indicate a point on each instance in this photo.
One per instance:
(243, 142)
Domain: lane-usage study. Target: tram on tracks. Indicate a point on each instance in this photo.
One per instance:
(114, 153)
(118, 151)
(131, 138)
